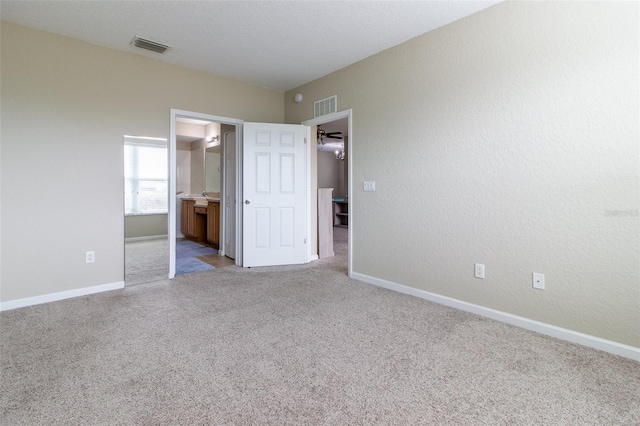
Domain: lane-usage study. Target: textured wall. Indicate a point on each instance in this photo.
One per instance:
(66, 105)
(516, 145)
(137, 226)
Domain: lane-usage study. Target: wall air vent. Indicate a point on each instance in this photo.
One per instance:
(144, 43)
(325, 106)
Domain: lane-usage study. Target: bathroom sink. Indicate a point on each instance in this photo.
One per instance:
(199, 199)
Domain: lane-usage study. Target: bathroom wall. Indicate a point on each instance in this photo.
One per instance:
(197, 167)
(212, 172)
(183, 165)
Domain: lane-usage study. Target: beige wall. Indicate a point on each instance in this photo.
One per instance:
(197, 166)
(516, 145)
(329, 172)
(146, 225)
(66, 105)
(183, 165)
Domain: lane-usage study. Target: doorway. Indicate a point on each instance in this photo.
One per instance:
(197, 149)
(335, 153)
(146, 209)
(285, 139)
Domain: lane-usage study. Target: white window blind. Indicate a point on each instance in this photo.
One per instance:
(146, 169)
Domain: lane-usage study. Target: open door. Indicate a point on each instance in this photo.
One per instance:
(274, 194)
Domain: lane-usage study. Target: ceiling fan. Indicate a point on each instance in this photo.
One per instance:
(322, 134)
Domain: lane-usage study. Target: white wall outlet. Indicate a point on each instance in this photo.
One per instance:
(538, 281)
(90, 256)
(369, 185)
(479, 270)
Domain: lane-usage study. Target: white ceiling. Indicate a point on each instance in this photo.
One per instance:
(274, 44)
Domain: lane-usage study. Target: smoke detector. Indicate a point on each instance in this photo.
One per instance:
(154, 46)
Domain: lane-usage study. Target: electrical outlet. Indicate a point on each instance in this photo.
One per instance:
(479, 271)
(90, 256)
(369, 185)
(538, 281)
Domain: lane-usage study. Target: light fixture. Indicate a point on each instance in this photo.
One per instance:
(297, 98)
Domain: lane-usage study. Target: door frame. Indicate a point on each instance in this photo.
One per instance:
(223, 196)
(326, 119)
(176, 113)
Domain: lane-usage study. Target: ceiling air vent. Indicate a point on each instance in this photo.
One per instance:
(149, 44)
(325, 106)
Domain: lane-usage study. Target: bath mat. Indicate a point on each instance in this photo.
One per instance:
(187, 265)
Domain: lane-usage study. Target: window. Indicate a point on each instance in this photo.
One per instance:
(145, 176)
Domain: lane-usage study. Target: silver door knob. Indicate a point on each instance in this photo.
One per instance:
(247, 201)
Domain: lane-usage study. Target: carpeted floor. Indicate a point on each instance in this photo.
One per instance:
(146, 261)
(294, 345)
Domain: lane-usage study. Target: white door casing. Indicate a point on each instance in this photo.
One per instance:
(274, 194)
(230, 194)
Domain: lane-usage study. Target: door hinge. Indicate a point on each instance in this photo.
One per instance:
(305, 241)
(305, 141)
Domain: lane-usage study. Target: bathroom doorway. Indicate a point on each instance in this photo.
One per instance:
(201, 220)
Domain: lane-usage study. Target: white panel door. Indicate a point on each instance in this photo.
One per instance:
(230, 194)
(274, 185)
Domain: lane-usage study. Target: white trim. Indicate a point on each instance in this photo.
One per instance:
(54, 297)
(308, 255)
(313, 257)
(326, 119)
(150, 237)
(539, 327)
(239, 193)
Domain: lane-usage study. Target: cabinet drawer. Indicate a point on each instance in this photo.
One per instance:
(201, 210)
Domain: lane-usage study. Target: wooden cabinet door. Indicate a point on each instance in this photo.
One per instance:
(184, 218)
(199, 223)
(191, 218)
(213, 223)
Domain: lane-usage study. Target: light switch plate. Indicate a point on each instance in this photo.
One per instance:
(369, 185)
(538, 281)
(479, 270)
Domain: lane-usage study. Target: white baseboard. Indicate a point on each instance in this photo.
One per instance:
(313, 257)
(539, 327)
(53, 297)
(150, 237)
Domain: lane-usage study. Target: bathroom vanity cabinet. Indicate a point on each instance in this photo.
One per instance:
(213, 223)
(187, 218)
(201, 222)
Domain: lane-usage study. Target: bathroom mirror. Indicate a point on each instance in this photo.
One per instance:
(212, 169)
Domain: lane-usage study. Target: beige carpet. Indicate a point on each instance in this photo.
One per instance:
(297, 345)
(146, 261)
